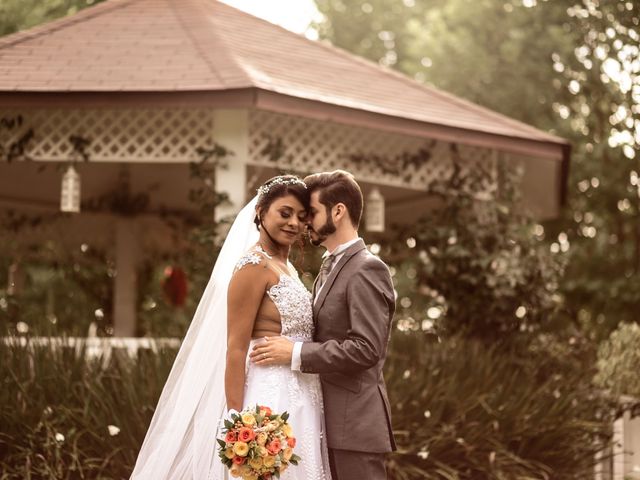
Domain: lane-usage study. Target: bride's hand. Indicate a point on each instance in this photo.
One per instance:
(274, 351)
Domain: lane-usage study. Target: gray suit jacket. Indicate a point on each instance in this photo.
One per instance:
(352, 316)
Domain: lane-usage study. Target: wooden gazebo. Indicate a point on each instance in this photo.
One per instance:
(148, 82)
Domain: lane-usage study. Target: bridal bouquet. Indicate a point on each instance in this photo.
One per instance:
(257, 444)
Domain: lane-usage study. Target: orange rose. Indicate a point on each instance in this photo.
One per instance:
(274, 446)
(265, 411)
(246, 434)
(231, 436)
(239, 460)
(291, 442)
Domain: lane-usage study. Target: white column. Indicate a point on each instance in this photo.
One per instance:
(231, 130)
(125, 287)
(619, 447)
(632, 446)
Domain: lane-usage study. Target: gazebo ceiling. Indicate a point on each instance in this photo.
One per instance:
(203, 52)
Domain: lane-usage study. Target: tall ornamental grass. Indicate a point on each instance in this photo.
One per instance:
(462, 410)
(66, 416)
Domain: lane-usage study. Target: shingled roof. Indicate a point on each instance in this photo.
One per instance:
(206, 47)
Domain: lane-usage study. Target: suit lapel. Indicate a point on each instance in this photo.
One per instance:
(346, 256)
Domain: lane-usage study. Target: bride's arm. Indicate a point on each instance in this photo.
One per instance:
(246, 290)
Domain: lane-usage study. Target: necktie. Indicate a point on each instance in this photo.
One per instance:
(325, 269)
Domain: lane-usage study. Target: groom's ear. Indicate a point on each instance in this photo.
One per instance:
(340, 210)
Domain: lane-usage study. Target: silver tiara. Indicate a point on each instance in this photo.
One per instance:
(264, 189)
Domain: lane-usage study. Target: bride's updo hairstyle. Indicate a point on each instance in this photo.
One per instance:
(278, 187)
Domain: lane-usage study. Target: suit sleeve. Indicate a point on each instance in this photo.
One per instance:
(371, 304)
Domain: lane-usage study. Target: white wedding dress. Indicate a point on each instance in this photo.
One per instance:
(180, 442)
(283, 389)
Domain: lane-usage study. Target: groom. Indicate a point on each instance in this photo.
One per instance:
(353, 305)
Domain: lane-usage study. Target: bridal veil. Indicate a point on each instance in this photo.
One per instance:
(180, 443)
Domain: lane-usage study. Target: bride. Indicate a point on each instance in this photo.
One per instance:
(254, 291)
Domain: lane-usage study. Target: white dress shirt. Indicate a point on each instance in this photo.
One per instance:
(338, 252)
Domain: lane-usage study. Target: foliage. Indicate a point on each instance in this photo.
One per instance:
(70, 290)
(60, 286)
(66, 416)
(474, 265)
(197, 252)
(564, 66)
(618, 360)
(496, 54)
(462, 410)
(22, 14)
(516, 416)
(600, 103)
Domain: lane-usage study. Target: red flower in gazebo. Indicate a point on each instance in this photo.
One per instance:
(174, 286)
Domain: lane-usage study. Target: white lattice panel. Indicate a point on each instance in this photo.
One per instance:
(144, 135)
(311, 145)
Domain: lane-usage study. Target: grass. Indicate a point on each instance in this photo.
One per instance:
(461, 411)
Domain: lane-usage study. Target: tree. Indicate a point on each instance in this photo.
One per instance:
(600, 102)
(564, 66)
(22, 14)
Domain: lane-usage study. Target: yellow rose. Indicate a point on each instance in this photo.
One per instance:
(261, 438)
(288, 452)
(255, 462)
(248, 419)
(269, 461)
(262, 451)
(287, 430)
(229, 453)
(235, 471)
(250, 476)
(241, 449)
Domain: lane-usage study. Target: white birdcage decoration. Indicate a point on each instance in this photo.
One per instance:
(374, 212)
(70, 194)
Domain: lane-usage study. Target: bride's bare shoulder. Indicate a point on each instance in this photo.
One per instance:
(251, 273)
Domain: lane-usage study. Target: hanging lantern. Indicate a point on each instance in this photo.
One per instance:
(374, 211)
(70, 194)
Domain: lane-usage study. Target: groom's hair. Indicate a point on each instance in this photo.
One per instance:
(336, 187)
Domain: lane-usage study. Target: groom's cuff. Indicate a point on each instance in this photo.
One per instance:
(296, 359)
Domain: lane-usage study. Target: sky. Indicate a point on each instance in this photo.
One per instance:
(294, 15)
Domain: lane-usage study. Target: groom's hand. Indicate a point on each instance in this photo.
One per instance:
(274, 351)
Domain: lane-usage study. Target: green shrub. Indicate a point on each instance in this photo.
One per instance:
(476, 265)
(619, 361)
(462, 410)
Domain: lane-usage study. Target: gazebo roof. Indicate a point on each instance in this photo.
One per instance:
(208, 50)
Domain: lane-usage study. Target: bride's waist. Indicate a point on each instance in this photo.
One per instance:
(258, 340)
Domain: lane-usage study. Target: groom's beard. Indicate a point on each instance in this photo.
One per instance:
(329, 228)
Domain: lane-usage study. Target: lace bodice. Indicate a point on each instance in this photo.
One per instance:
(293, 301)
(291, 298)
